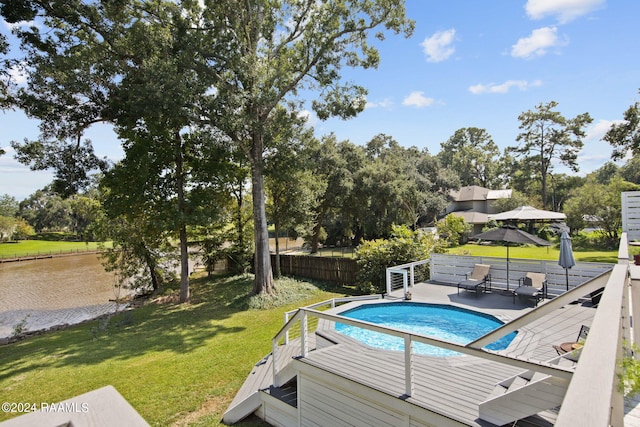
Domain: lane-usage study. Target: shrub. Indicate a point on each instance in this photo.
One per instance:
(454, 230)
(404, 246)
(629, 376)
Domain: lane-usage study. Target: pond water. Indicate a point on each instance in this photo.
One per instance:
(53, 291)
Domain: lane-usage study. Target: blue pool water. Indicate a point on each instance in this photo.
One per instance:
(433, 320)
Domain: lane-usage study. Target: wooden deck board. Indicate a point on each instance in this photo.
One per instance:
(453, 386)
(454, 391)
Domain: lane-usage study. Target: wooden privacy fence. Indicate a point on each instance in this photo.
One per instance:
(336, 270)
(452, 268)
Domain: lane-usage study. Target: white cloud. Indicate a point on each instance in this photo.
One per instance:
(385, 103)
(21, 24)
(417, 99)
(309, 116)
(18, 75)
(439, 47)
(537, 43)
(563, 10)
(522, 85)
(596, 131)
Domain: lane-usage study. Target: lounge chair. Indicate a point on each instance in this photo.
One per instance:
(573, 346)
(532, 285)
(477, 280)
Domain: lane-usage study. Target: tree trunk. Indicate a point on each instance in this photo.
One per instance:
(276, 269)
(543, 169)
(544, 190)
(151, 265)
(239, 220)
(184, 265)
(263, 282)
(315, 238)
(184, 254)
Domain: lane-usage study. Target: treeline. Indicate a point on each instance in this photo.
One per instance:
(327, 191)
(206, 99)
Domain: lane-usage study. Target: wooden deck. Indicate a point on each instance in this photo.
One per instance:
(444, 385)
(451, 386)
(261, 377)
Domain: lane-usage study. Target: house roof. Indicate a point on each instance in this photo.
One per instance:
(472, 192)
(475, 192)
(499, 194)
(472, 217)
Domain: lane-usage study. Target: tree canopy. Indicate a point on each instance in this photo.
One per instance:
(547, 135)
(225, 64)
(625, 136)
(473, 154)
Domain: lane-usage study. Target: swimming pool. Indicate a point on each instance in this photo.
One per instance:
(440, 321)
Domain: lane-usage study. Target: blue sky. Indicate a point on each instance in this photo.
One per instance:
(469, 63)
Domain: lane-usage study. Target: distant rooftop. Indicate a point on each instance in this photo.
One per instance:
(475, 192)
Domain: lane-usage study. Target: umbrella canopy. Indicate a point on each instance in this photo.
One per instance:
(566, 260)
(510, 234)
(528, 213)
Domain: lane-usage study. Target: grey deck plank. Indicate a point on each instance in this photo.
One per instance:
(455, 391)
(453, 386)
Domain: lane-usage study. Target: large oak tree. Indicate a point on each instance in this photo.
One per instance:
(257, 54)
(280, 48)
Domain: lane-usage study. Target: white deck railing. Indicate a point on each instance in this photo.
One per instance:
(407, 273)
(446, 268)
(593, 397)
(302, 316)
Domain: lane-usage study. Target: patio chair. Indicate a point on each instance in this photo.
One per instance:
(477, 280)
(573, 347)
(532, 285)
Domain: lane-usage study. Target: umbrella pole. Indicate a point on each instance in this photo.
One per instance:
(507, 292)
(507, 267)
(566, 272)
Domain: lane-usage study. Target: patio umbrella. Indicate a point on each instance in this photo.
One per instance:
(566, 260)
(528, 213)
(510, 234)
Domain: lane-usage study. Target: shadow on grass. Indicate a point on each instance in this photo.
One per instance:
(153, 328)
(178, 328)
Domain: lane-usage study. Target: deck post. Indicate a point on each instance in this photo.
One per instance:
(404, 282)
(408, 365)
(304, 342)
(274, 365)
(388, 281)
(413, 277)
(286, 334)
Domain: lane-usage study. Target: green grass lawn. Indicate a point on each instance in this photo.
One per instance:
(177, 364)
(533, 252)
(24, 248)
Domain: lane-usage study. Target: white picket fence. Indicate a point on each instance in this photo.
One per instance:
(451, 269)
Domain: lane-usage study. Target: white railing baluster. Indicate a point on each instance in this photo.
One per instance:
(408, 365)
(304, 342)
(274, 365)
(286, 334)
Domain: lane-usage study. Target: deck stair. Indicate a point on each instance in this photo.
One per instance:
(524, 395)
(260, 383)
